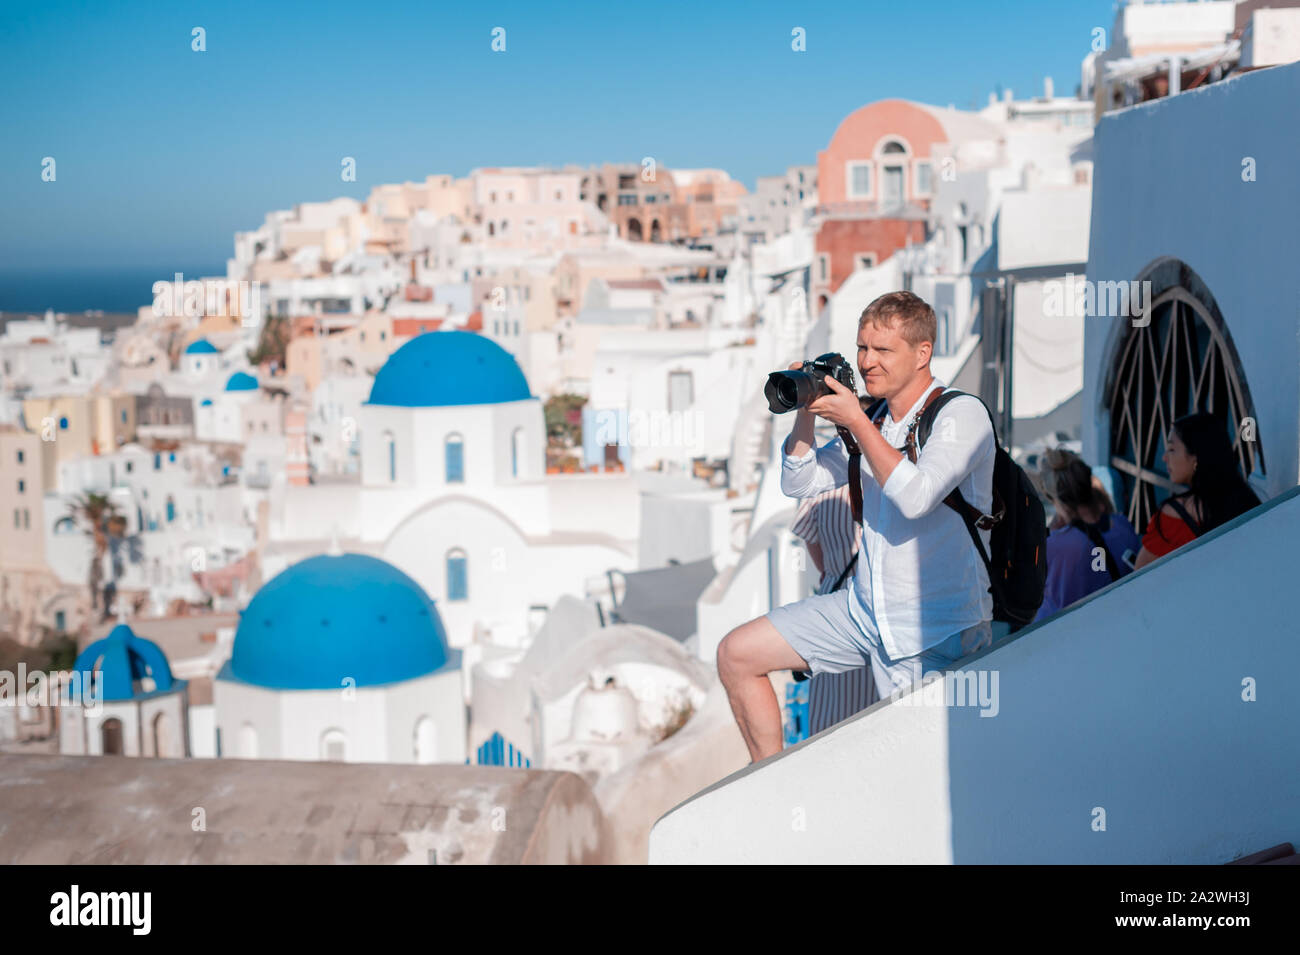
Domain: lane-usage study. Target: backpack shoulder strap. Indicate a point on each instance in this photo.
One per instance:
(970, 514)
(855, 465)
(936, 404)
(1094, 535)
(1191, 522)
(839, 581)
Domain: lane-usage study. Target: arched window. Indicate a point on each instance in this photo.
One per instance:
(110, 737)
(333, 746)
(681, 391)
(455, 453)
(171, 509)
(457, 575)
(516, 451)
(65, 525)
(893, 173)
(426, 741)
(247, 742)
(1180, 360)
(390, 442)
(162, 736)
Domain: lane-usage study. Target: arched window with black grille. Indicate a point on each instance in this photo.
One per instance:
(1176, 359)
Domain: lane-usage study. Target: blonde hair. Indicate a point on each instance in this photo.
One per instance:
(911, 314)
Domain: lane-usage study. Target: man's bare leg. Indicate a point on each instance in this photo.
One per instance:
(745, 657)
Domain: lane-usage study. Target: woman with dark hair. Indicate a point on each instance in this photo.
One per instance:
(1198, 454)
(1087, 541)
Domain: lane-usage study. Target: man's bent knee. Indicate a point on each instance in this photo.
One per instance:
(756, 648)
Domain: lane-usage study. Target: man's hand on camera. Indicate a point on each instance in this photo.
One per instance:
(840, 407)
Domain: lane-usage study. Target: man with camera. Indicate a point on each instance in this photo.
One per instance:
(920, 597)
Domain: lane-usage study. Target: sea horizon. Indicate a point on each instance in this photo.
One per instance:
(90, 288)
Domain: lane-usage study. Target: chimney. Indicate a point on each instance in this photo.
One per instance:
(1006, 96)
(993, 98)
(1047, 88)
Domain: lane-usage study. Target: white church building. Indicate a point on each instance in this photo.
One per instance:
(341, 657)
(453, 490)
(137, 708)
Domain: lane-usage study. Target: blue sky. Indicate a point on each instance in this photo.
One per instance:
(163, 153)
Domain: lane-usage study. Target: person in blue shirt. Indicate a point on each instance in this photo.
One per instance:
(1087, 544)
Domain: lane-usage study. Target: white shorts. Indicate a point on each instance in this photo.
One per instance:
(822, 631)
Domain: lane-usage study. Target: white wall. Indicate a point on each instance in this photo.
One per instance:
(1274, 37)
(421, 435)
(1047, 352)
(1143, 28)
(1131, 702)
(684, 526)
(857, 292)
(1043, 227)
(237, 703)
(377, 722)
(439, 697)
(507, 572)
(203, 731)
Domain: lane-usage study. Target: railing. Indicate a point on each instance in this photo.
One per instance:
(862, 208)
(497, 752)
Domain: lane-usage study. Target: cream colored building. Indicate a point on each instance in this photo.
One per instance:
(80, 425)
(359, 349)
(529, 207)
(576, 270)
(31, 596)
(391, 207)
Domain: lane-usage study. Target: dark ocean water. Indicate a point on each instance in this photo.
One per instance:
(76, 290)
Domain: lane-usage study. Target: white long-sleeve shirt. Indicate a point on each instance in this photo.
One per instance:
(919, 577)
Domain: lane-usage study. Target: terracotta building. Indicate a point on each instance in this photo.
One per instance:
(649, 203)
(875, 180)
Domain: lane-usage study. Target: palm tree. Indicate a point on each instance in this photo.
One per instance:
(94, 512)
(271, 342)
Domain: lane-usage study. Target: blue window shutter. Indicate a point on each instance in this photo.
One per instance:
(455, 461)
(457, 583)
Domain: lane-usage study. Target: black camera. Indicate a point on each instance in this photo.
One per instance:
(788, 390)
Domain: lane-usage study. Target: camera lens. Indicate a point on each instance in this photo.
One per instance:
(784, 390)
(787, 392)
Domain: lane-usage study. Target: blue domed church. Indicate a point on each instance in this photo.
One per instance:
(341, 657)
(135, 707)
(453, 491)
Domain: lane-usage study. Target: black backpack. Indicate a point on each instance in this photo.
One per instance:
(1017, 564)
